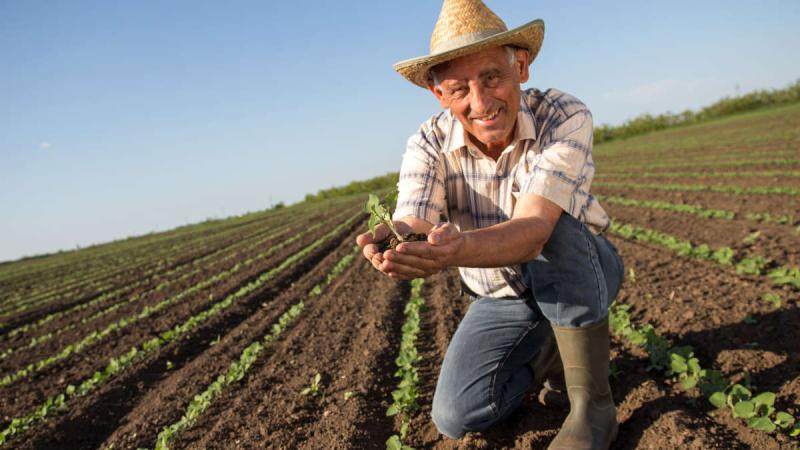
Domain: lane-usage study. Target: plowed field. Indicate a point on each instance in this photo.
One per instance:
(270, 331)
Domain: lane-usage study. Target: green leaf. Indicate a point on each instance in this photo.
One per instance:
(717, 399)
(738, 392)
(678, 363)
(392, 411)
(744, 409)
(765, 398)
(689, 382)
(784, 419)
(762, 423)
(393, 443)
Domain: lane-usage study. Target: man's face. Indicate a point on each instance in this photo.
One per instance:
(482, 90)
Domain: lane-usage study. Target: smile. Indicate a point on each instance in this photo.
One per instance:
(486, 120)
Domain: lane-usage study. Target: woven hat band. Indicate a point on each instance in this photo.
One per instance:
(464, 39)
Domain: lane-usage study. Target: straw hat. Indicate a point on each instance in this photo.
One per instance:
(469, 26)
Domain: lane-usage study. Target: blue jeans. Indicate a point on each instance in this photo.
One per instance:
(486, 370)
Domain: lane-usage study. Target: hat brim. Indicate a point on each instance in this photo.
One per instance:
(528, 36)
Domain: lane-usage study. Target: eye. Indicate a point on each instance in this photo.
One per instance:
(458, 92)
(492, 80)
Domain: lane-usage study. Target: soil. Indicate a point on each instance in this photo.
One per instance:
(392, 242)
(350, 335)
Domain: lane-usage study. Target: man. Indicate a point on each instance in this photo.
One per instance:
(511, 172)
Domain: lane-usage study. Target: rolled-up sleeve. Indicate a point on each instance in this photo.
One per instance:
(421, 185)
(562, 172)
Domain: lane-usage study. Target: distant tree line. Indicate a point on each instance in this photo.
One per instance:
(387, 181)
(724, 107)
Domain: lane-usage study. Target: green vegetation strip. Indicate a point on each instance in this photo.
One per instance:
(157, 260)
(695, 174)
(784, 190)
(237, 370)
(146, 312)
(196, 266)
(695, 209)
(405, 396)
(725, 107)
(745, 265)
(713, 163)
(116, 365)
(683, 367)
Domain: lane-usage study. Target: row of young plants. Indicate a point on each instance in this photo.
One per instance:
(681, 365)
(150, 249)
(169, 278)
(696, 210)
(404, 398)
(191, 267)
(671, 157)
(118, 364)
(153, 261)
(36, 271)
(770, 190)
(95, 336)
(174, 277)
(696, 174)
(74, 281)
(239, 368)
(712, 162)
(744, 265)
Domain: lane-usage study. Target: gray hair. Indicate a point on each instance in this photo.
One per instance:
(511, 54)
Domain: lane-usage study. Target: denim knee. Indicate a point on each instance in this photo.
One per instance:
(453, 418)
(575, 279)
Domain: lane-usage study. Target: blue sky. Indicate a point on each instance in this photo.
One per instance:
(120, 118)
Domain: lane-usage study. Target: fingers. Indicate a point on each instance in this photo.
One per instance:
(424, 264)
(401, 271)
(418, 249)
(442, 233)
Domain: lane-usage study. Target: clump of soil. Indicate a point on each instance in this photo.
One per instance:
(392, 242)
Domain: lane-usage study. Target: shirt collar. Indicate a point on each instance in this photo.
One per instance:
(526, 126)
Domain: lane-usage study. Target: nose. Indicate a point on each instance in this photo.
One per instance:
(479, 101)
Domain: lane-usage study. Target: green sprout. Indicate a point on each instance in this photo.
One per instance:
(313, 389)
(380, 213)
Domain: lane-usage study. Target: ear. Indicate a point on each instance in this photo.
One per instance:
(522, 65)
(437, 92)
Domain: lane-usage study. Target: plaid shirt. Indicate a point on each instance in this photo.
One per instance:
(445, 177)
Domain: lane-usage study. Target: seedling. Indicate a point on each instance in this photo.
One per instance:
(380, 213)
(751, 238)
(772, 298)
(313, 389)
(348, 395)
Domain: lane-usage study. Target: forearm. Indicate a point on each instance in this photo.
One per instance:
(512, 242)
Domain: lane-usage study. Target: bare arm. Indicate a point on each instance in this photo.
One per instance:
(516, 241)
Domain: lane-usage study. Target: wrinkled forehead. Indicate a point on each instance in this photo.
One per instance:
(472, 64)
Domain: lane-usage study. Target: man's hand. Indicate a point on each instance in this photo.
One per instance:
(368, 244)
(422, 259)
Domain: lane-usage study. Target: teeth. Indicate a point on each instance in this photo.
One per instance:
(489, 117)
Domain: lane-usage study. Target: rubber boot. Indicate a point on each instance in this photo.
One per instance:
(592, 420)
(548, 372)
